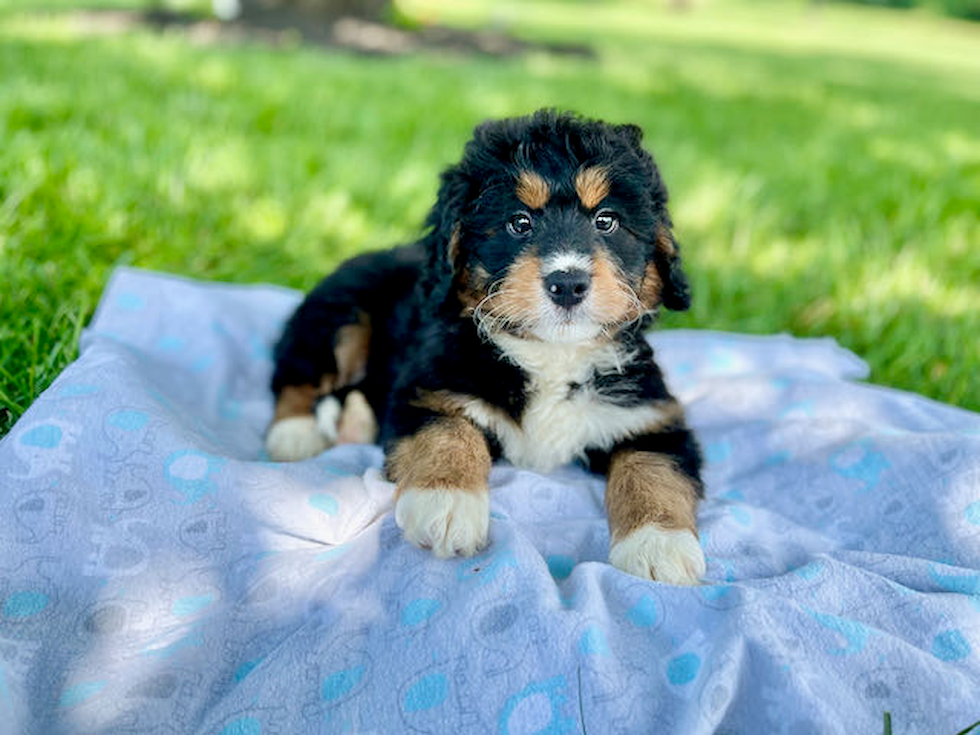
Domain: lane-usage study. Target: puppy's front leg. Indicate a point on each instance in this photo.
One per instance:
(652, 503)
(442, 501)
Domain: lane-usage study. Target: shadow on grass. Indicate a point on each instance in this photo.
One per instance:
(284, 27)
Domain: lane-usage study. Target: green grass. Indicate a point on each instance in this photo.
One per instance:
(824, 164)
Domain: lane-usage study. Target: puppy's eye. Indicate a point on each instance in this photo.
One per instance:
(606, 222)
(520, 224)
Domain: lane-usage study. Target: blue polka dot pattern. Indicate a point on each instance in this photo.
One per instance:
(950, 645)
(156, 575)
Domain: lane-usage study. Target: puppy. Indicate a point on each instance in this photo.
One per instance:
(513, 329)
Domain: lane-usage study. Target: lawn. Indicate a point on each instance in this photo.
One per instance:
(823, 160)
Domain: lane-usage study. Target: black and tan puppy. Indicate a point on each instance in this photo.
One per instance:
(513, 329)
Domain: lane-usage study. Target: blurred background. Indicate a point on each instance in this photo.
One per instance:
(823, 158)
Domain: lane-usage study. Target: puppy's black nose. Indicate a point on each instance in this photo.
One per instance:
(567, 288)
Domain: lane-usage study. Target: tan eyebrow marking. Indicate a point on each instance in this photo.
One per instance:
(592, 185)
(533, 190)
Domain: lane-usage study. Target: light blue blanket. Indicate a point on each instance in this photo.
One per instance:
(157, 576)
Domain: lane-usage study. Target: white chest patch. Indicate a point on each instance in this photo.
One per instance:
(559, 423)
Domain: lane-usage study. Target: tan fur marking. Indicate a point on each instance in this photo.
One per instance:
(454, 404)
(357, 424)
(612, 297)
(453, 250)
(671, 414)
(350, 348)
(665, 241)
(295, 400)
(441, 401)
(471, 288)
(517, 300)
(447, 453)
(533, 190)
(592, 185)
(651, 287)
(676, 414)
(644, 488)
(522, 287)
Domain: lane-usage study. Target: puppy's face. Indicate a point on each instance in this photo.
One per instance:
(559, 230)
(560, 255)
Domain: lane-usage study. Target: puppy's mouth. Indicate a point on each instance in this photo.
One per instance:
(565, 299)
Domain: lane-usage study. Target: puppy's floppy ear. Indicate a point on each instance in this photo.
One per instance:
(442, 242)
(676, 292)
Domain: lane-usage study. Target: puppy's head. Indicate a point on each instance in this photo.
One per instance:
(556, 228)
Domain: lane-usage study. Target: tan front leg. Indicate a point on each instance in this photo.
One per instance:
(441, 496)
(652, 507)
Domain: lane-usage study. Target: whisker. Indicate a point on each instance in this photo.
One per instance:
(496, 311)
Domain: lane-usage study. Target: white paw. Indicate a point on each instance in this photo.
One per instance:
(357, 423)
(327, 417)
(651, 552)
(294, 438)
(449, 522)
